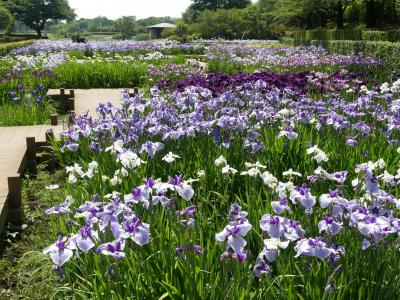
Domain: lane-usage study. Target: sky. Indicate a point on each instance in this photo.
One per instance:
(114, 9)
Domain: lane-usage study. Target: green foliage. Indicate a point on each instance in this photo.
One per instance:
(375, 35)
(319, 34)
(201, 5)
(99, 75)
(5, 48)
(37, 13)
(5, 18)
(142, 37)
(126, 26)
(387, 51)
(233, 24)
(22, 114)
(96, 25)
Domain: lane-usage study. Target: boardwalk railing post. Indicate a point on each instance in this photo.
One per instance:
(64, 99)
(16, 214)
(71, 100)
(54, 119)
(31, 154)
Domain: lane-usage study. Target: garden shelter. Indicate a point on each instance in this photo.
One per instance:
(155, 30)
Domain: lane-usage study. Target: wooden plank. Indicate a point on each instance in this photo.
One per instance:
(19, 135)
(7, 134)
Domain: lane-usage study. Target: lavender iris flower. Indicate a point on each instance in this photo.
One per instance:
(60, 209)
(85, 238)
(61, 251)
(280, 206)
(114, 249)
(312, 247)
(329, 225)
(137, 231)
(151, 148)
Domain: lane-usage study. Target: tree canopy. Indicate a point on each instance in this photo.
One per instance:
(37, 13)
(126, 25)
(5, 18)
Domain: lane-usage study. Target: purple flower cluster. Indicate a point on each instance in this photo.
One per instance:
(117, 217)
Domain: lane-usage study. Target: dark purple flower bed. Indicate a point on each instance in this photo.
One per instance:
(299, 83)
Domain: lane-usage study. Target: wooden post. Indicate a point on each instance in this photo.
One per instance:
(31, 154)
(64, 99)
(71, 100)
(54, 119)
(16, 213)
(71, 104)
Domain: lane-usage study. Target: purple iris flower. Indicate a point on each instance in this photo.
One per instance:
(261, 268)
(138, 195)
(60, 252)
(313, 247)
(60, 209)
(114, 249)
(184, 190)
(70, 146)
(188, 211)
(272, 225)
(137, 231)
(196, 248)
(151, 148)
(236, 212)
(234, 234)
(280, 206)
(329, 225)
(85, 238)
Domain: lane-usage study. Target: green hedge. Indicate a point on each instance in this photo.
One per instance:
(323, 34)
(375, 35)
(345, 34)
(387, 51)
(7, 47)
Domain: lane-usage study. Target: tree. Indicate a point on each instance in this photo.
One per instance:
(5, 18)
(370, 14)
(201, 5)
(303, 13)
(126, 26)
(37, 13)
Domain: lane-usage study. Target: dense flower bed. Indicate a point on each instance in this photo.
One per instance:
(245, 145)
(299, 83)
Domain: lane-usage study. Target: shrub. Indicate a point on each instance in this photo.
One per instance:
(335, 34)
(141, 37)
(387, 51)
(5, 48)
(5, 18)
(391, 35)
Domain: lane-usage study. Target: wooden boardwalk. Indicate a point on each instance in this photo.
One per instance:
(17, 148)
(18, 145)
(88, 100)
